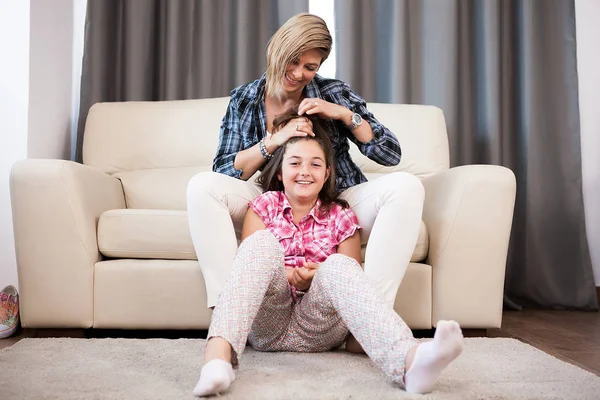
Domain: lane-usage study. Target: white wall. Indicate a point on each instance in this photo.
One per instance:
(587, 15)
(50, 79)
(36, 96)
(325, 10)
(14, 89)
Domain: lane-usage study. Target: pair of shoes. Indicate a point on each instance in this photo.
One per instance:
(9, 311)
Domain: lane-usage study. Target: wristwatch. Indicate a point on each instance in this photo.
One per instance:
(355, 121)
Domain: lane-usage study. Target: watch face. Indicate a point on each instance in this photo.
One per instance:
(356, 118)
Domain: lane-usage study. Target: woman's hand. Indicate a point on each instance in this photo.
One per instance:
(302, 277)
(324, 109)
(300, 126)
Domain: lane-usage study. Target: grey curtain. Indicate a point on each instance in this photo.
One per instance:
(174, 49)
(505, 74)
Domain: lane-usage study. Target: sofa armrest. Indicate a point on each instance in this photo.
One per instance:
(56, 205)
(468, 213)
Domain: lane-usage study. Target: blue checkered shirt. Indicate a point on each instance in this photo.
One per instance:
(244, 125)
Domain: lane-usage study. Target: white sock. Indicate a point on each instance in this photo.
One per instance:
(215, 377)
(433, 356)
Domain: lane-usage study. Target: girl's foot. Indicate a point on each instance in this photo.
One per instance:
(216, 377)
(433, 356)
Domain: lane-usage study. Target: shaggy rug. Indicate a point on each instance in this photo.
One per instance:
(68, 368)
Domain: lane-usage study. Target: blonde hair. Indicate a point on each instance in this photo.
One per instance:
(300, 33)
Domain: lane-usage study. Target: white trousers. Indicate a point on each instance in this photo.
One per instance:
(389, 211)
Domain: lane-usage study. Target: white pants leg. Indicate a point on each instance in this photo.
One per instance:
(389, 210)
(216, 205)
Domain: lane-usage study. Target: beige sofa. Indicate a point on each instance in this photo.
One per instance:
(105, 244)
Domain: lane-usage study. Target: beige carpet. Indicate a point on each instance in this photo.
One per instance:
(168, 369)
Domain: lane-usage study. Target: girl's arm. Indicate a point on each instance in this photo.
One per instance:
(252, 223)
(351, 246)
(301, 278)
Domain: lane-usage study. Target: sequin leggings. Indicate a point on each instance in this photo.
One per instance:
(256, 306)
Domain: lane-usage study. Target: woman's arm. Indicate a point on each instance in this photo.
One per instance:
(372, 138)
(383, 148)
(351, 246)
(252, 223)
(249, 161)
(231, 159)
(230, 142)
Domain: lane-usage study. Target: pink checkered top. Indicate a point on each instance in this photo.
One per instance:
(316, 236)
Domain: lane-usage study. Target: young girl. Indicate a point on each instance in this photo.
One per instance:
(297, 284)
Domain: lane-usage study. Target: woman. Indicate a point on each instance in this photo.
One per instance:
(388, 209)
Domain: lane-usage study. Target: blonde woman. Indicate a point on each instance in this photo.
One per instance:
(388, 209)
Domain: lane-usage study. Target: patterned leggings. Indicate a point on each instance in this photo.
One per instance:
(256, 306)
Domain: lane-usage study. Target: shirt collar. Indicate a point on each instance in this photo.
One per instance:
(317, 216)
(260, 89)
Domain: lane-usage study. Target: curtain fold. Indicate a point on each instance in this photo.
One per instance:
(174, 49)
(505, 75)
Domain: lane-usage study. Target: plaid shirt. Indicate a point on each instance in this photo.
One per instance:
(316, 236)
(244, 125)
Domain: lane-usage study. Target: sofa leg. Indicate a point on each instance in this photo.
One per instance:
(55, 333)
(474, 332)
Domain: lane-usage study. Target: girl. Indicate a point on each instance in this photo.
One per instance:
(297, 284)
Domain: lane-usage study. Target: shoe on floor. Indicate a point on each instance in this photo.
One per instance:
(9, 311)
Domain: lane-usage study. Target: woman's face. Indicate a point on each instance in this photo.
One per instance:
(298, 74)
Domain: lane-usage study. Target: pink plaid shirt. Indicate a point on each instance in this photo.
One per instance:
(316, 236)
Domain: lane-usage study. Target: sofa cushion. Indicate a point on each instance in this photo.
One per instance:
(162, 189)
(131, 233)
(164, 234)
(421, 131)
(137, 135)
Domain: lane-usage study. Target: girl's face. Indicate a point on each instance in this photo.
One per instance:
(303, 171)
(298, 74)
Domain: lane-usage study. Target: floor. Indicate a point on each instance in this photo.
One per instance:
(571, 336)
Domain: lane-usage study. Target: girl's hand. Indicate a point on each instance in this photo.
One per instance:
(310, 265)
(302, 277)
(300, 126)
(324, 109)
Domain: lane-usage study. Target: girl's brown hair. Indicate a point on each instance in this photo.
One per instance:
(269, 179)
(298, 34)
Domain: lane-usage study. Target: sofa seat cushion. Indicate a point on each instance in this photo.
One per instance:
(165, 234)
(134, 233)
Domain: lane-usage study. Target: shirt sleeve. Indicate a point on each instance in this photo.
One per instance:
(230, 142)
(346, 224)
(265, 206)
(384, 148)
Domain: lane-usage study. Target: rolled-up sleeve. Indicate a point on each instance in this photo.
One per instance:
(230, 142)
(384, 148)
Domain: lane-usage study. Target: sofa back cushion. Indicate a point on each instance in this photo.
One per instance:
(133, 136)
(421, 131)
